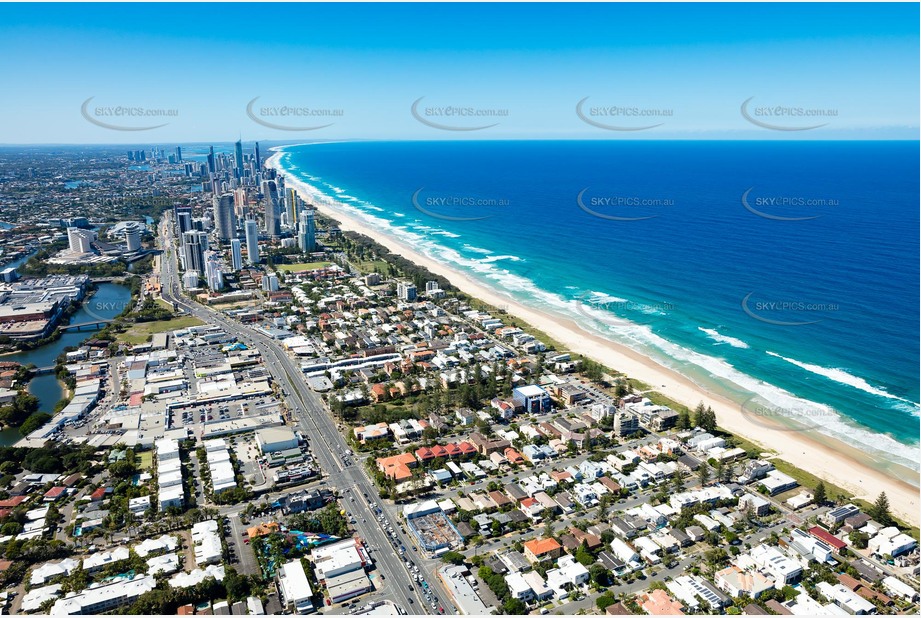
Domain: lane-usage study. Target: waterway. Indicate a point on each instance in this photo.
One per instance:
(107, 302)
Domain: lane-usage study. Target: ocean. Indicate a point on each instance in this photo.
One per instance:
(783, 275)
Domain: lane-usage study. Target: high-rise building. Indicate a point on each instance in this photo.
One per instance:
(213, 274)
(252, 241)
(193, 251)
(183, 219)
(258, 163)
(179, 153)
(307, 233)
(80, 241)
(211, 165)
(132, 237)
(291, 201)
(225, 221)
(238, 158)
(272, 222)
(406, 291)
(236, 255)
(190, 279)
(270, 283)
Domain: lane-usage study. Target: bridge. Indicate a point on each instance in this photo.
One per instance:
(44, 370)
(92, 324)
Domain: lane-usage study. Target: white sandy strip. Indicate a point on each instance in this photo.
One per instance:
(825, 457)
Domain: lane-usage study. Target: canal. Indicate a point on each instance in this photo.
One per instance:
(108, 301)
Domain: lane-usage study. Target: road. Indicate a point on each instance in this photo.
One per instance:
(328, 445)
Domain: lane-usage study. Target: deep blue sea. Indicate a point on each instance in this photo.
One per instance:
(787, 271)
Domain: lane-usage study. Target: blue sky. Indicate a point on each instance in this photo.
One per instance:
(690, 66)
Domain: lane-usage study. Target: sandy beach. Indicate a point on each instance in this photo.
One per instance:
(825, 457)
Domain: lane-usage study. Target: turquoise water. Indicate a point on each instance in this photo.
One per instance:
(802, 292)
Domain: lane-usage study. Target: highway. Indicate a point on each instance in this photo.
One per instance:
(332, 452)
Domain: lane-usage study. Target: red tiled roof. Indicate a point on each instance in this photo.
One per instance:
(55, 492)
(825, 535)
(439, 451)
(466, 448)
(538, 547)
(13, 502)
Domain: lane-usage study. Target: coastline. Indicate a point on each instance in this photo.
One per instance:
(830, 459)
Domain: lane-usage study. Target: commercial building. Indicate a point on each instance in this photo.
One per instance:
(272, 214)
(225, 222)
(80, 241)
(194, 245)
(276, 439)
(406, 291)
(270, 283)
(341, 568)
(465, 598)
(236, 255)
(132, 237)
(294, 587)
(532, 398)
(252, 241)
(307, 232)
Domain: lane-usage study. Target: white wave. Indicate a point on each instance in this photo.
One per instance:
(445, 233)
(720, 338)
(477, 249)
(499, 258)
(843, 377)
(398, 214)
(638, 337)
(602, 297)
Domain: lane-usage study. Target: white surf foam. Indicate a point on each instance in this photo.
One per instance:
(720, 338)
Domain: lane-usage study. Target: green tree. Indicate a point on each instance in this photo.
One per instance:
(684, 419)
(33, 422)
(819, 495)
(703, 473)
(880, 510)
(604, 601)
(699, 413)
(514, 607)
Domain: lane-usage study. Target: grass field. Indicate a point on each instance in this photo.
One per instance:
(142, 332)
(146, 460)
(293, 268)
(369, 266)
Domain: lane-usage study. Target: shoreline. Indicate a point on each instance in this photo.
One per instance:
(825, 457)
